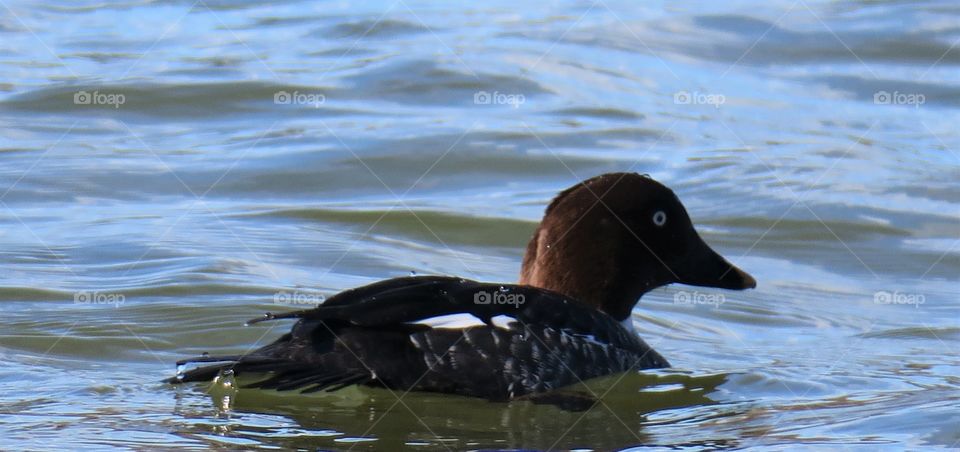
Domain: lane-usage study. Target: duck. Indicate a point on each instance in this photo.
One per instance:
(601, 245)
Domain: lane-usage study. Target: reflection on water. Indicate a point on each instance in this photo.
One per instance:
(395, 419)
(169, 168)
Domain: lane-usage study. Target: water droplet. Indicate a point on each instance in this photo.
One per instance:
(181, 368)
(224, 379)
(226, 403)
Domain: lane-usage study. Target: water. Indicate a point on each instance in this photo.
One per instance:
(814, 143)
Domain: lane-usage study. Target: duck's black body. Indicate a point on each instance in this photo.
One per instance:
(602, 244)
(369, 335)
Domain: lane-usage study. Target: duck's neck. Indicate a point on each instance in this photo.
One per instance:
(587, 271)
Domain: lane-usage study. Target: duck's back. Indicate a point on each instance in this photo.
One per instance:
(508, 341)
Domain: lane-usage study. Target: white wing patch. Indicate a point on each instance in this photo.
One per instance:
(503, 321)
(451, 321)
(463, 320)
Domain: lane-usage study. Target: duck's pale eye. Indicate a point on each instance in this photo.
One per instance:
(659, 218)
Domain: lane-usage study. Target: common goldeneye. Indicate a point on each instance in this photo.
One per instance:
(602, 244)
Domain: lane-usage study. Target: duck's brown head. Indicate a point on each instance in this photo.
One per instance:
(608, 240)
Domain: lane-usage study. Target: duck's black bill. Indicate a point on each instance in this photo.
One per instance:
(704, 267)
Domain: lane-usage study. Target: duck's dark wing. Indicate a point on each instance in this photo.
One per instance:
(525, 340)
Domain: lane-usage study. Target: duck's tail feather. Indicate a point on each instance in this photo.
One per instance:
(246, 363)
(312, 380)
(199, 374)
(284, 375)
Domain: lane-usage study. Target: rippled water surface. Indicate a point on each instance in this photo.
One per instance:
(169, 169)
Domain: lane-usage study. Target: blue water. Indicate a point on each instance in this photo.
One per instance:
(168, 168)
